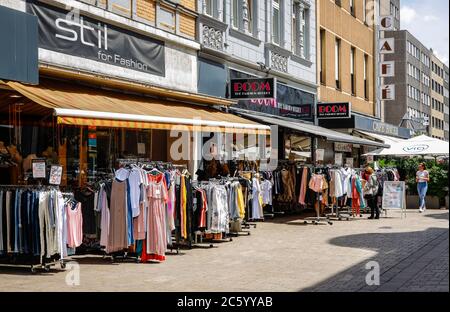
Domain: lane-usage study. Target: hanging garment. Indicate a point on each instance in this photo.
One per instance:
(220, 214)
(266, 192)
(74, 225)
(105, 219)
(316, 183)
(118, 236)
(156, 223)
(86, 198)
(257, 210)
(303, 187)
(288, 187)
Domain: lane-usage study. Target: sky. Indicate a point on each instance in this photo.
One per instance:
(428, 21)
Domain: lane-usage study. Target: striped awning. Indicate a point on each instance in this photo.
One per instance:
(84, 106)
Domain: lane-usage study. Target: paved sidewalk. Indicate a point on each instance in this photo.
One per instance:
(279, 255)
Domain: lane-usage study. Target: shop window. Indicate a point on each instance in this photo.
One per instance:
(297, 147)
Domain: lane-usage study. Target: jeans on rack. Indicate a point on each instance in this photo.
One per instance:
(422, 188)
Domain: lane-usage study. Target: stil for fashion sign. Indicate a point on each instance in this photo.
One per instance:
(71, 33)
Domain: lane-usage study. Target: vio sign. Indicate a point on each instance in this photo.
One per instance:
(333, 110)
(418, 148)
(253, 88)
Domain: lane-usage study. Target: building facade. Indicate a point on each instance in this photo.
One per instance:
(117, 71)
(412, 105)
(346, 59)
(243, 39)
(446, 103)
(437, 121)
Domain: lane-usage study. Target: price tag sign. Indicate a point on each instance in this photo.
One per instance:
(320, 154)
(338, 159)
(55, 175)
(38, 166)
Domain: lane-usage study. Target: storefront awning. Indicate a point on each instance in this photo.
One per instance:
(83, 106)
(386, 139)
(304, 127)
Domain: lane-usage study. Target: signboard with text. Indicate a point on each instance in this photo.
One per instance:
(253, 88)
(333, 110)
(71, 33)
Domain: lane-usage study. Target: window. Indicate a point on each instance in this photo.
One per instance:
(276, 21)
(122, 7)
(352, 7)
(238, 20)
(337, 62)
(323, 48)
(212, 8)
(366, 80)
(364, 9)
(300, 26)
(352, 70)
(236, 13)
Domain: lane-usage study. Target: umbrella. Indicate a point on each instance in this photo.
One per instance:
(419, 146)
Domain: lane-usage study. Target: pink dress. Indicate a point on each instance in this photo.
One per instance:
(74, 226)
(156, 223)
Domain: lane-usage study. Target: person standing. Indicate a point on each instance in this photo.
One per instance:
(371, 191)
(422, 179)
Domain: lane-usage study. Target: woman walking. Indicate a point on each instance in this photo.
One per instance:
(422, 179)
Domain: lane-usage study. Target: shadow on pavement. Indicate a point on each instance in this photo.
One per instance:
(439, 216)
(393, 251)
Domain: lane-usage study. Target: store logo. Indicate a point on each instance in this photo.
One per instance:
(387, 69)
(388, 92)
(416, 148)
(74, 30)
(333, 110)
(253, 86)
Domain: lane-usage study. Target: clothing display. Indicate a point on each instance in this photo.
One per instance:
(38, 223)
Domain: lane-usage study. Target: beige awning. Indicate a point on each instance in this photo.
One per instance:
(75, 104)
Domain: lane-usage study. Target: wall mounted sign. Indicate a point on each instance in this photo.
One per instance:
(388, 92)
(343, 147)
(386, 23)
(55, 175)
(253, 88)
(387, 69)
(338, 159)
(387, 46)
(349, 162)
(385, 128)
(320, 154)
(71, 33)
(38, 166)
(333, 110)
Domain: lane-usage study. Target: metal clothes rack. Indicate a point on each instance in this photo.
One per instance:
(17, 260)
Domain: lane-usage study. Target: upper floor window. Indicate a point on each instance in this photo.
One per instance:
(300, 29)
(244, 15)
(276, 21)
(212, 8)
(352, 7)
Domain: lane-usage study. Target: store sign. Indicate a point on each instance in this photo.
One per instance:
(384, 128)
(387, 45)
(253, 88)
(388, 92)
(416, 148)
(394, 195)
(55, 175)
(333, 110)
(343, 147)
(73, 34)
(386, 23)
(387, 69)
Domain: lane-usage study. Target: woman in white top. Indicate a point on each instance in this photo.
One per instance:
(422, 178)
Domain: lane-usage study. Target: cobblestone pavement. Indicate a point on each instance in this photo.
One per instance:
(279, 255)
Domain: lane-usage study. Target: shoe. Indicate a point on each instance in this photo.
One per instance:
(377, 217)
(370, 218)
(420, 210)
